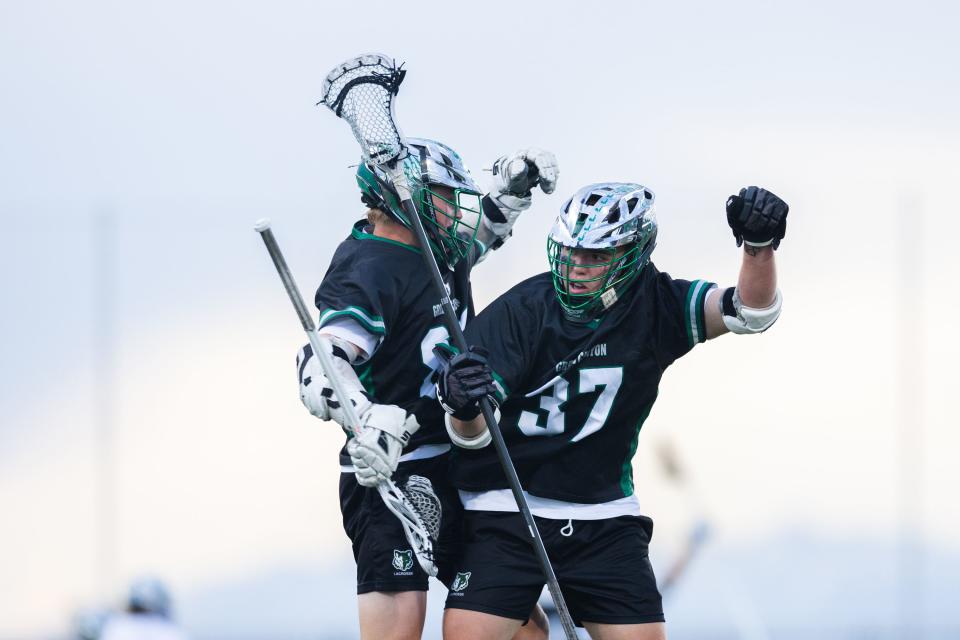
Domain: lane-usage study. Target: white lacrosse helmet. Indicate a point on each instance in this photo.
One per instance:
(604, 216)
(149, 595)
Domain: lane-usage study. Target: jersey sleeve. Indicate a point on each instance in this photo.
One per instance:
(500, 330)
(681, 323)
(359, 293)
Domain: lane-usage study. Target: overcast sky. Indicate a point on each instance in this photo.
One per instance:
(183, 122)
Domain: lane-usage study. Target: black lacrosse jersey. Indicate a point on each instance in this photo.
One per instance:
(385, 287)
(575, 395)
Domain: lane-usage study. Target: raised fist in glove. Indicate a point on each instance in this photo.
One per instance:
(757, 217)
(514, 177)
(463, 381)
(375, 451)
(316, 392)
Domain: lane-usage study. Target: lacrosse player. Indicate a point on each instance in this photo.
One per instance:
(574, 357)
(147, 615)
(88, 624)
(382, 320)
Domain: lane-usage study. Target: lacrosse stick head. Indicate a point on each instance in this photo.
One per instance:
(393, 169)
(418, 509)
(361, 91)
(419, 491)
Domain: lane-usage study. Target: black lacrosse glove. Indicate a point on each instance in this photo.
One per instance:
(757, 217)
(463, 381)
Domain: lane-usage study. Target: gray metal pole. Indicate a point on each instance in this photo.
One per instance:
(910, 365)
(104, 342)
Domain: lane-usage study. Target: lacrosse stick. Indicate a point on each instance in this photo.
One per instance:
(419, 525)
(699, 531)
(361, 92)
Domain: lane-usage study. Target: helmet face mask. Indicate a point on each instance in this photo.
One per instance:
(447, 198)
(451, 219)
(599, 244)
(580, 282)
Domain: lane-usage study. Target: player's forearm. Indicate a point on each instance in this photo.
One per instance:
(757, 284)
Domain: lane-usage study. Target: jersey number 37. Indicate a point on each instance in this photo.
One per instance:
(550, 420)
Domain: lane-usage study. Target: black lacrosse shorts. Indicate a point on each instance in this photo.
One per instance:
(602, 567)
(385, 560)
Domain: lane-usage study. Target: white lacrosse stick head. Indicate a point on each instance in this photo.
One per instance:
(361, 91)
(418, 509)
(419, 491)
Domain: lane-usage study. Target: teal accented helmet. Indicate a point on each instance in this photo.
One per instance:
(445, 194)
(613, 222)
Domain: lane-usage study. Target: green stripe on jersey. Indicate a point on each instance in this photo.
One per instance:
(448, 347)
(363, 235)
(365, 374)
(373, 324)
(693, 312)
(502, 391)
(701, 316)
(626, 471)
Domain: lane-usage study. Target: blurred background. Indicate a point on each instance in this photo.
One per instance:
(149, 418)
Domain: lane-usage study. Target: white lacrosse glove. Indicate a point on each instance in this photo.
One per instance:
(514, 176)
(375, 451)
(316, 392)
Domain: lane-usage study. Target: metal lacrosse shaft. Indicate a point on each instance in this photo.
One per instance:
(318, 343)
(386, 488)
(486, 408)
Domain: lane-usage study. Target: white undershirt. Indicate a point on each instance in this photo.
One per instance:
(422, 452)
(502, 500)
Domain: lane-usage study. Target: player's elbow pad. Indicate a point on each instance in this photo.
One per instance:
(476, 442)
(316, 390)
(740, 318)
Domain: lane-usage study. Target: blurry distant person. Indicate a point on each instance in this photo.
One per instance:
(575, 356)
(147, 616)
(88, 624)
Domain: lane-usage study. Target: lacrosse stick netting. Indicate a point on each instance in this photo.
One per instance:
(361, 92)
(418, 509)
(420, 529)
(419, 491)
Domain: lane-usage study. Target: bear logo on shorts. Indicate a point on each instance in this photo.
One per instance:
(402, 560)
(461, 581)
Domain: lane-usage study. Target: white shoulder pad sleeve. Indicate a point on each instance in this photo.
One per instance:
(742, 319)
(347, 330)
